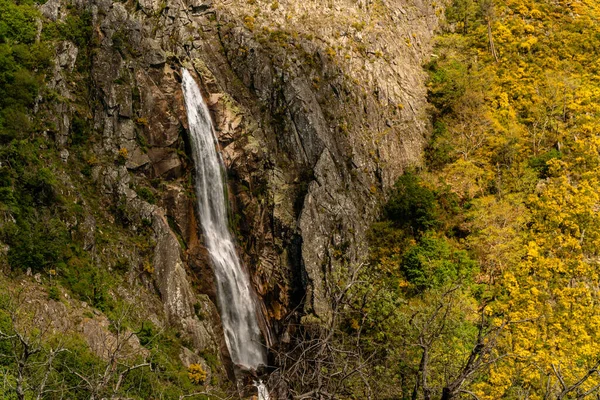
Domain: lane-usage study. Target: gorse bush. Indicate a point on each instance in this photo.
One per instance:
(197, 374)
(515, 86)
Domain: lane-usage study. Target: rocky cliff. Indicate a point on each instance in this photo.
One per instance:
(319, 106)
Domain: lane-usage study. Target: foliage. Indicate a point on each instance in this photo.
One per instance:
(46, 206)
(54, 293)
(146, 194)
(515, 87)
(17, 22)
(414, 310)
(42, 360)
(412, 205)
(197, 374)
(432, 263)
(508, 208)
(541, 164)
(122, 156)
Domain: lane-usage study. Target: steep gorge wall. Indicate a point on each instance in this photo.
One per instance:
(319, 106)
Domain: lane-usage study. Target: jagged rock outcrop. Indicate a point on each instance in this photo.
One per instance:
(347, 113)
(175, 288)
(318, 108)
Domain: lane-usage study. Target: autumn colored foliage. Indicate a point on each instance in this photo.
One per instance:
(494, 245)
(516, 87)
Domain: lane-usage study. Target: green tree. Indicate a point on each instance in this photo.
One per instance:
(412, 205)
(433, 263)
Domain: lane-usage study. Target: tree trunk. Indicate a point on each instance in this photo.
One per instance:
(491, 39)
(447, 394)
(20, 378)
(422, 377)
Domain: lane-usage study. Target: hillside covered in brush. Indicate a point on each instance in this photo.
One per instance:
(413, 189)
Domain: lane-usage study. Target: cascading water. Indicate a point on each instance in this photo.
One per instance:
(263, 393)
(236, 303)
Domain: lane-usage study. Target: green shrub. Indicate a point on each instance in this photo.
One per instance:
(122, 265)
(39, 184)
(412, 205)
(146, 194)
(146, 333)
(17, 22)
(447, 83)
(78, 28)
(433, 262)
(22, 64)
(81, 359)
(54, 293)
(439, 151)
(540, 162)
(35, 243)
(80, 130)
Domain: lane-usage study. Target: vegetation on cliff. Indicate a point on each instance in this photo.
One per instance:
(69, 323)
(482, 278)
(485, 268)
(518, 144)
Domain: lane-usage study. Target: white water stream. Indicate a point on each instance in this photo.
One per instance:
(263, 393)
(236, 303)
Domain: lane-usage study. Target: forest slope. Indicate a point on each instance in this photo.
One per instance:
(515, 152)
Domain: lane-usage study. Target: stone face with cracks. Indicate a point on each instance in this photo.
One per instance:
(312, 139)
(174, 286)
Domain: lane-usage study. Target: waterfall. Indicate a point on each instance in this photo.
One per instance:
(263, 393)
(234, 295)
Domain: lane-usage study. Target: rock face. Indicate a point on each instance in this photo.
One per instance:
(318, 107)
(342, 112)
(176, 291)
